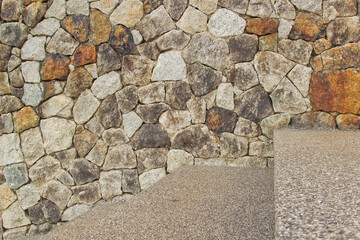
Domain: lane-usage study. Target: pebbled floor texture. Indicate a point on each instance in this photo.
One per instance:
(317, 184)
(194, 202)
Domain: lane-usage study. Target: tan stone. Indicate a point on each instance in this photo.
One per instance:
(100, 27)
(24, 119)
(128, 13)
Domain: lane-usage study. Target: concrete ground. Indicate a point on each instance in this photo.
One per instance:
(195, 202)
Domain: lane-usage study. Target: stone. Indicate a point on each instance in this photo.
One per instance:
(177, 158)
(150, 113)
(81, 113)
(130, 181)
(10, 151)
(343, 30)
(87, 194)
(174, 120)
(44, 170)
(321, 45)
(65, 178)
(16, 80)
(14, 217)
(284, 9)
(30, 71)
(345, 56)
(114, 136)
(262, 26)
(55, 106)
(28, 196)
(300, 77)
(243, 48)
(220, 120)
(317, 64)
(66, 158)
(9, 104)
(84, 141)
(246, 128)
(298, 51)
(24, 119)
(98, 153)
(192, 21)
(128, 13)
(78, 81)
(335, 91)
(150, 136)
(74, 212)
(57, 193)
(284, 29)
(108, 113)
(6, 123)
(57, 10)
(259, 8)
(44, 211)
(11, 10)
(106, 85)
(7, 197)
(32, 94)
(203, 79)
(225, 23)
(233, 146)
(92, 69)
(136, 70)
(150, 5)
(55, 66)
(149, 29)
(151, 177)
(348, 122)
(344, 8)
(15, 233)
(13, 34)
(170, 66)
(138, 38)
(77, 26)
(197, 109)
(120, 157)
(261, 149)
(311, 6)
(151, 158)
(8, 62)
(131, 123)
(149, 50)
(175, 8)
(206, 6)
(207, 50)
(308, 27)
(271, 68)
(100, 27)
(122, 40)
(57, 134)
(225, 96)
(46, 27)
(84, 171)
(277, 121)
(105, 6)
(244, 76)
(110, 184)
(127, 98)
(107, 59)
(34, 13)
(75, 7)
(4, 84)
(311, 120)
(175, 39)
(62, 43)
(236, 6)
(152, 93)
(177, 94)
(198, 141)
(95, 126)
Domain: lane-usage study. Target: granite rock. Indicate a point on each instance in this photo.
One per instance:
(244, 76)
(307, 26)
(105, 6)
(74, 211)
(284, 9)
(28, 196)
(202, 79)
(239, 6)
(31, 71)
(130, 181)
(78, 81)
(277, 121)
(34, 13)
(314, 120)
(16, 175)
(152, 93)
(177, 158)
(56, 10)
(131, 123)
(120, 157)
(16, 80)
(128, 13)
(9, 104)
(261, 149)
(114, 136)
(55, 106)
(259, 8)
(32, 94)
(343, 30)
(11, 10)
(46, 27)
(225, 96)
(62, 43)
(98, 153)
(13, 34)
(300, 77)
(75, 7)
(220, 120)
(108, 113)
(151, 5)
(110, 184)
(177, 94)
(34, 49)
(4, 84)
(7, 196)
(44, 170)
(284, 29)
(308, 5)
(151, 158)
(192, 21)
(246, 128)
(65, 178)
(84, 142)
(298, 51)
(243, 48)
(24, 119)
(170, 66)
(348, 122)
(197, 109)
(136, 70)
(225, 23)
(269, 43)
(83, 114)
(345, 8)
(150, 113)
(206, 6)
(127, 98)
(14, 217)
(95, 126)
(175, 39)
(151, 177)
(6, 123)
(149, 50)
(341, 57)
(150, 136)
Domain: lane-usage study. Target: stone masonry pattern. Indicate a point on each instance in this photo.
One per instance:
(99, 99)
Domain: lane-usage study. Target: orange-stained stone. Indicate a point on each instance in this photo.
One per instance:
(24, 119)
(84, 54)
(307, 26)
(262, 26)
(122, 40)
(348, 121)
(55, 66)
(321, 45)
(342, 57)
(268, 43)
(336, 91)
(28, 2)
(77, 25)
(100, 27)
(317, 64)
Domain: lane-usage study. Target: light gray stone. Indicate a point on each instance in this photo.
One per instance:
(87, 194)
(246, 128)
(120, 157)
(110, 184)
(225, 96)
(284, 9)
(343, 8)
(10, 151)
(277, 121)
(137, 37)
(62, 43)
(46, 27)
(98, 153)
(28, 196)
(192, 21)
(131, 123)
(127, 98)
(151, 177)
(85, 107)
(152, 93)
(244, 76)
(15, 233)
(238, 6)
(314, 6)
(128, 13)
(151, 158)
(114, 136)
(13, 34)
(92, 69)
(174, 120)
(284, 29)
(177, 158)
(261, 149)
(233, 146)
(6, 124)
(66, 157)
(34, 49)
(95, 126)
(16, 175)
(170, 66)
(301, 76)
(197, 109)
(175, 39)
(32, 145)
(259, 8)
(56, 10)
(77, 7)
(105, 6)
(65, 178)
(30, 71)
(175, 8)
(56, 106)
(14, 217)
(57, 193)
(225, 23)
(298, 50)
(32, 94)
(44, 170)
(74, 212)
(83, 171)
(7, 197)
(206, 6)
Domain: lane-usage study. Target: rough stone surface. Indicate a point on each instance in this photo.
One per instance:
(33, 13)
(170, 66)
(149, 50)
(30, 71)
(10, 151)
(343, 30)
(244, 76)
(55, 106)
(4, 84)
(107, 59)
(84, 141)
(57, 10)
(114, 136)
(151, 177)
(127, 98)
(95, 126)
(259, 8)
(301, 76)
(206, 6)
(62, 43)
(83, 171)
(343, 8)
(6, 123)
(84, 54)
(83, 114)
(74, 7)
(233, 146)
(87, 194)
(177, 94)
(74, 211)
(284, 9)
(174, 120)
(55, 67)
(192, 21)
(100, 27)
(221, 120)
(110, 184)
(261, 149)
(9, 104)
(14, 217)
(127, 13)
(243, 48)
(202, 79)
(10, 10)
(262, 26)
(108, 113)
(175, 8)
(131, 123)
(175, 39)
(225, 96)
(150, 113)
(308, 5)
(246, 128)
(13, 34)
(225, 23)
(32, 94)
(105, 6)
(197, 109)
(122, 40)
(348, 122)
(57, 193)
(277, 121)
(65, 178)
(98, 153)
(177, 158)
(130, 181)
(268, 43)
(78, 81)
(7, 196)
(311, 120)
(152, 93)
(15, 79)
(151, 158)
(341, 57)
(308, 27)
(34, 49)
(24, 119)
(120, 157)
(136, 70)
(46, 27)
(44, 170)
(236, 6)
(150, 136)
(28, 196)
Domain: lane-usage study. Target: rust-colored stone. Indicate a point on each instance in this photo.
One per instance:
(122, 40)
(221, 120)
(336, 91)
(321, 45)
(307, 26)
(268, 43)
(262, 26)
(342, 57)
(55, 66)
(100, 27)
(24, 119)
(84, 54)
(317, 64)
(348, 122)
(28, 2)
(77, 25)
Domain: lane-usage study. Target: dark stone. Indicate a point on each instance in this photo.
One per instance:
(10, 10)
(87, 194)
(108, 113)
(177, 94)
(107, 59)
(78, 81)
(122, 40)
(51, 88)
(313, 120)
(45, 211)
(9, 104)
(254, 104)
(127, 98)
(243, 48)
(84, 171)
(84, 142)
(221, 120)
(203, 79)
(13, 34)
(150, 113)
(130, 181)
(17, 92)
(175, 8)
(16, 78)
(149, 50)
(78, 26)
(136, 70)
(5, 52)
(84, 54)
(150, 136)
(55, 66)
(151, 158)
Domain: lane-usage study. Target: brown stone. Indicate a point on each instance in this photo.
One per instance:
(336, 91)
(100, 27)
(150, 5)
(342, 57)
(177, 94)
(243, 48)
(87, 194)
(24, 119)
(262, 26)
(84, 141)
(107, 59)
(313, 120)
(122, 40)
(84, 171)
(307, 26)
(28, 2)
(348, 122)
(55, 66)
(5, 52)
(78, 81)
(343, 30)
(33, 13)
(268, 43)
(136, 70)
(84, 54)
(150, 136)
(317, 63)
(77, 25)
(51, 88)
(9, 104)
(321, 45)
(221, 120)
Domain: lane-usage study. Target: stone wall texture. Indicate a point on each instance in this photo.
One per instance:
(99, 99)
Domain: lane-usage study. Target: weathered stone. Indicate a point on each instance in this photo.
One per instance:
(28, 196)
(32, 94)
(119, 157)
(65, 178)
(11, 10)
(95, 126)
(106, 85)
(138, 38)
(127, 98)
(150, 5)
(344, 8)
(16, 175)
(221, 120)
(177, 94)
(83, 171)
(74, 7)
(110, 184)
(151, 113)
(87, 194)
(74, 212)
(197, 109)
(34, 49)
(206, 6)
(16, 79)
(9, 104)
(151, 158)
(15, 233)
(151, 177)
(233, 146)
(33, 13)
(100, 26)
(236, 6)
(128, 13)
(131, 123)
(150, 136)
(55, 66)
(175, 120)
(7, 62)
(149, 50)
(78, 81)
(4, 83)
(277, 121)
(261, 149)
(309, 5)
(108, 113)
(284, 29)
(206, 49)
(28, 2)
(122, 41)
(57, 193)
(284, 9)
(114, 136)
(98, 153)
(155, 24)
(44, 170)
(6, 123)
(343, 30)
(225, 96)
(57, 134)
(175, 39)
(341, 57)
(55, 106)
(105, 6)
(262, 26)
(317, 120)
(30, 71)
(198, 141)
(348, 122)
(10, 151)
(192, 21)
(92, 69)
(321, 45)
(259, 8)
(24, 119)
(225, 23)
(317, 64)
(271, 68)
(177, 158)
(170, 66)
(62, 43)
(307, 26)
(7, 197)
(14, 217)
(84, 142)
(298, 51)
(130, 181)
(13, 34)
(84, 54)
(81, 113)
(136, 70)
(244, 76)
(300, 76)
(57, 10)
(246, 128)
(107, 59)
(243, 48)
(46, 27)
(175, 8)
(203, 79)
(152, 93)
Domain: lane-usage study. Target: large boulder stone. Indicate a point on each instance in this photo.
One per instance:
(343, 30)
(57, 193)
(175, 39)
(127, 98)
(192, 21)
(225, 23)
(87, 194)
(175, 8)
(136, 70)
(177, 94)
(84, 171)
(151, 158)
(44, 170)
(150, 136)
(203, 79)
(120, 157)
(81, 113)
(13, 34)
(307, 26)
(110, 184)
(108, 113)
(174, 120)
(150, 113)
(243, 48)
(10, 151)
(341, 57)
(122, 40)
(170, 66)
(298, 51)
(55, 66)
(128, 13)
(220, 120)
(233, 146)
(84, 141)
(100, 27)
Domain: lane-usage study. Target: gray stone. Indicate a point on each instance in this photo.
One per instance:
(246, 128)
(84, 141)
(170, 66)
(131, 123)
(4, 83)
(62, 43)
(301, 76)
(284, 9)
(75, 7)
(239, 6)
(287, 98)
(33, 13)
(136, 70)
(150, 136)
(95, 126)
(192, 21)
(110, 184)
(56, 10)
(127, 98)
(174, 120)
(259, 8)
(108, 113)
(151, 177)
(314, 6)
(244, 76)
(225, 23)
(114, 136)
(122, 40)
(87, 194)
(233, 146)
(152, 93)
(106, 85)
(128, 13)
(277, 121)
(65, 178)
(271, 68)
(120, 157)
(343, 30)
(175, 39)
(98, 153)
(151, 158)
(284, 28)
(105, 6)
(150, 5)
(197, 109)
(34, 49)
(12, 61)
(243, 48)
(74, 212)
(78, 81)
(46, 27)
(9, 104)
(32, 94)
(206, 6)
(203, 79)
(151, 113)
(314, 120)
(261, 149)
(85, 107)
(225, 96)
(84, 172)
(55, 106)
(16, 175)
(137, 37)
(44, 211)
(13, 34)
(66, 157)
(254, 104)
(14, 217)
(11, 10)
(298, 51)
(44, 170)
(149, 50)
(31, 71)
(343, 8)
(107, 59)
(10, 151)
(198, 141)
(6, 123)
(175, 8)
(177, 158)
(7, 196)
(15, 233)
(220, 120)
(207, 50)
(130, 181)
(177, 94)
(57, 193)
(155, 24)
(32, 145)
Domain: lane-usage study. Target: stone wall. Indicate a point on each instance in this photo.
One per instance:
(100, 99)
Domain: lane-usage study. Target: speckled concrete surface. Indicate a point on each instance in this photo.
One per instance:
(317, 184)
(195, 202)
